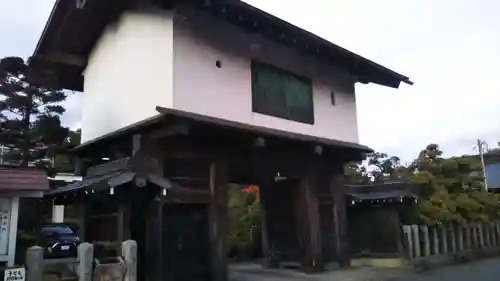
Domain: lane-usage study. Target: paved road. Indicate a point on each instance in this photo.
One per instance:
(484, 270)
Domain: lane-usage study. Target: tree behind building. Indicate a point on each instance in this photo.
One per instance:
(30, 130)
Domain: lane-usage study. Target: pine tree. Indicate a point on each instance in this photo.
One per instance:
(30, 111)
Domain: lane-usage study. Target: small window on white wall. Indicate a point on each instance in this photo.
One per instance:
(332, 97)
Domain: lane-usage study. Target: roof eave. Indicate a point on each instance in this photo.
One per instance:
(378, 73)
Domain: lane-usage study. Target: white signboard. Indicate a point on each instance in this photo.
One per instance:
(5, 207)
(15, 274)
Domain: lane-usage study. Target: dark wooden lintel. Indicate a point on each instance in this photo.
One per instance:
(190, 196)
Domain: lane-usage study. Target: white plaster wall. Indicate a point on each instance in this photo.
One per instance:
(128, 74)
(147, 60)
(201, 87)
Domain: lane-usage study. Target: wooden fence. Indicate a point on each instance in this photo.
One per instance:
(423, 241)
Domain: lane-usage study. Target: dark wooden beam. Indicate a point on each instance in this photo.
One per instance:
(136, 143)
(218, 221)
(64, 58)
(147, 156)
(175, 129)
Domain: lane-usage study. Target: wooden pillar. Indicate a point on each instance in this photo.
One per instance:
(154, 242)
(270, 260)
(218, 220)
(123, 224)
(309, 221)
(338, 192)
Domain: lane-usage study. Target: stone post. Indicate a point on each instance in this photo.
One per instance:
(34, 263)
(487, 241)
(426, 240)
(492, 235)
(453, 240)
(460, 237)
(409, 241)
(129, 251)
(416, 240)
(475, 236)
(497, 232)
(435, 240)
(86, 259)
(481, 235)
(444, 240)
(468, 238)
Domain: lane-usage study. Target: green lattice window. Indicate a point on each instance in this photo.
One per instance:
(281, 94)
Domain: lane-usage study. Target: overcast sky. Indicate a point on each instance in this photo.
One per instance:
(449, 48)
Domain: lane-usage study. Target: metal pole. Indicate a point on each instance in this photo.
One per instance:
(481, 145)
(1, 153)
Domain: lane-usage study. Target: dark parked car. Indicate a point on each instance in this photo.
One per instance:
(60, 241)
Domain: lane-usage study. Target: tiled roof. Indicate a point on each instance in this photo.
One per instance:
(22, 179)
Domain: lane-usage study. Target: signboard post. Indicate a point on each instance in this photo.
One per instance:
(5, 207)
(15, 274)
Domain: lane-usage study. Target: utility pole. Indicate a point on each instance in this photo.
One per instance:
(482, 147)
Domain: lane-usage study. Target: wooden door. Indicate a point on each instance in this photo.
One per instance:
(281, 201)
(185, 242)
